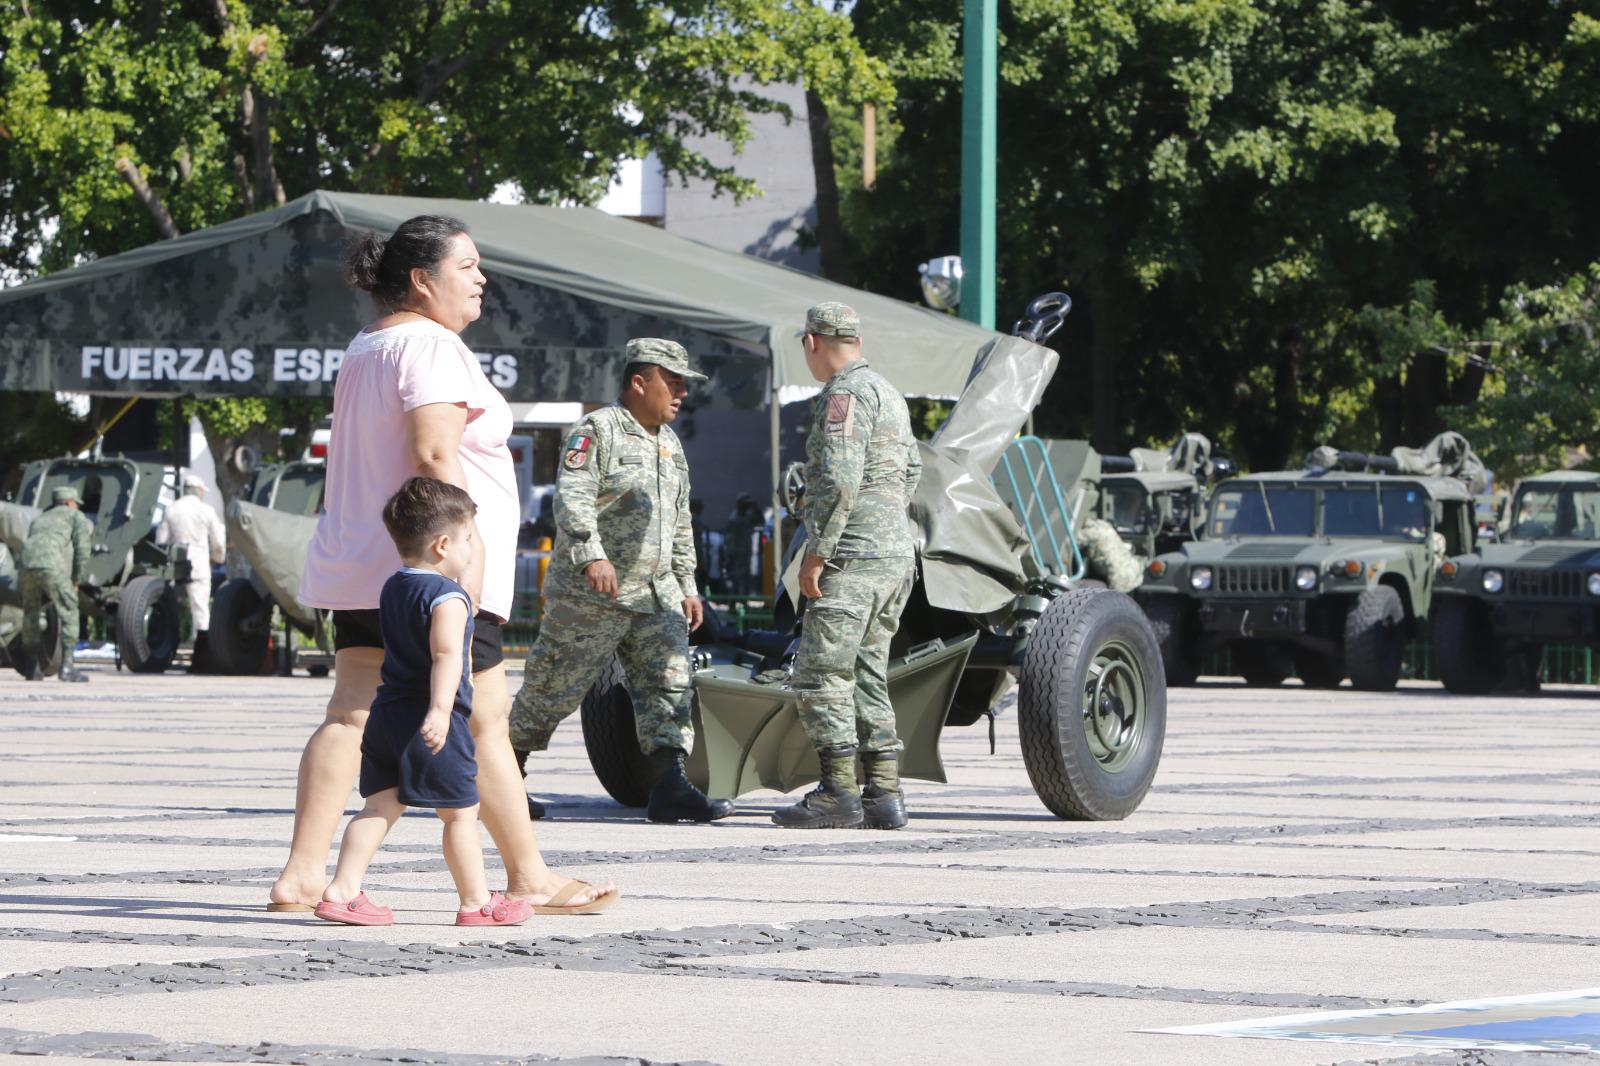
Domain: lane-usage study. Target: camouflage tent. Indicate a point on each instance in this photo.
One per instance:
(257, 307)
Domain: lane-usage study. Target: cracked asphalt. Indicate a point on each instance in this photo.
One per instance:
(1301, 851)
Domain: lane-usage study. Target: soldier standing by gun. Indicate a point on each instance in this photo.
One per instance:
(621, 580)
(195, 528)
(55, 557)
(861, 468)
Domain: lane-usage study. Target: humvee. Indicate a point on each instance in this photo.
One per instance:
(1326, 572)
(1500, 604)
(130, 580)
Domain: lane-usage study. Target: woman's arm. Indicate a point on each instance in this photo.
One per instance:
(433, 440)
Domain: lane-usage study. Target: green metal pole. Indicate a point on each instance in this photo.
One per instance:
(980, 59)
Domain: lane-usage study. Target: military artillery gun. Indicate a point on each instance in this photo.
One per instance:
(984, 612)
(130, 581)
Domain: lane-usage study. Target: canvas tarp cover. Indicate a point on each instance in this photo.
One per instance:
(257, 307)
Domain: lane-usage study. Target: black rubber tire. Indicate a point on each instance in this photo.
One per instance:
(1374, 639)
(241, 626)
(612, 739)
(49, 639)
(1170, 622)
(1262, 664)
(1316, 670)
(147, 624)
(1050, 716)
(1464, 651)
(1522, 669)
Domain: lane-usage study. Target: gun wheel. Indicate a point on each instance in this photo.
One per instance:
(147, 625)
(241, 625)
(612, 739)
(1092, 706)
(49, 645)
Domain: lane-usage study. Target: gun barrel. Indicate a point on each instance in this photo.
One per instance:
(1386, 463)
(1118, 464)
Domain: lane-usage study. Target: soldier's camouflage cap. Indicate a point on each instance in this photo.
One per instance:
(833, 320)
(667, 354)
(63, 493)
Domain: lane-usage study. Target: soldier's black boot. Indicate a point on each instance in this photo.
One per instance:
(535, 808)
(69, 669)
(883, 805)
(836, 801)
(200, 658)
(673, 797)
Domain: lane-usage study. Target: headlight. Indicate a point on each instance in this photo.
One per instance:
(1305, 578)
(1493, 580)
(1594, 584)
(1200, 578)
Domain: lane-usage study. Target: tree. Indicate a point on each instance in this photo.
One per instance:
(126, 121)
(1226, 186)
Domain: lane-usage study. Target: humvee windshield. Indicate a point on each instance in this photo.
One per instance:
(1542, 511)
(1260, 509)
(1125, 508)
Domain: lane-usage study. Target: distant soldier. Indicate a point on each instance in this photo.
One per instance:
(55, 558)
(196, 529)
(1107, 557)
(621, 579)
(862, 466)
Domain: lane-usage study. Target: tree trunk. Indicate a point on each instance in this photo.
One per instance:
(830, 231)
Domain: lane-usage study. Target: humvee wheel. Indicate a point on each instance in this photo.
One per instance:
(1092, 707)
(612, 739)
(147, 625)
(1374, 639)
(49, 643)
(241, 624)
(1261, 664)
(1169, 618)
(1464, 647)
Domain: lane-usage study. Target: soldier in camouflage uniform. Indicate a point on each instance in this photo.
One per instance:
(1107, 556)
(862, 466)
(621, 579)
(55, 558)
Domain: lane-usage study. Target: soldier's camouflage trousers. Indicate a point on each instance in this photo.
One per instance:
(1107, 556)
(576, 642)
(841, 672)
(39, 587)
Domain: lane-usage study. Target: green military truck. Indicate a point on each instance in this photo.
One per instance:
(1501, 604)
(131, 578)
(1325, 572)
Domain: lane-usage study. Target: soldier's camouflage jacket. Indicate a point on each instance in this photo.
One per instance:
(862, 467)
(58, 541)
(623, 495)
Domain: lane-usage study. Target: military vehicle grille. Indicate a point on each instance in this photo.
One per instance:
(1545, 584)
(1253, 580)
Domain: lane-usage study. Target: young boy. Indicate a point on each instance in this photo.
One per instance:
(417, 750)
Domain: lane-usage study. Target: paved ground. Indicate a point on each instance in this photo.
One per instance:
(1301, 851)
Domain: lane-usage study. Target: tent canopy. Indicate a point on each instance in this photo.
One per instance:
(257, 307)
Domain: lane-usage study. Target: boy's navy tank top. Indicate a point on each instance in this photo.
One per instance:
(405, 618)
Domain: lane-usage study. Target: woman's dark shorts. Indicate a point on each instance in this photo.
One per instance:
(359, 629)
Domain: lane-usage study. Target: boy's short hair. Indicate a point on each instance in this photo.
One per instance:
(422, 509)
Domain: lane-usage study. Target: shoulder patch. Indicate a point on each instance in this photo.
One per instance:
(577, 451)
(841, 412)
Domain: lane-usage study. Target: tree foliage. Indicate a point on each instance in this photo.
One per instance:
(1227, 186)
(124, 121)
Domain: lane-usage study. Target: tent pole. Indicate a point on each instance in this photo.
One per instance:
(777, 478)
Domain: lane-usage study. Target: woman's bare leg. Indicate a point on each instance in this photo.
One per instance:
(503, 805)
(328, 770)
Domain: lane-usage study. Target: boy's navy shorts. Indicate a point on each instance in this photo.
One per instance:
(394, 755)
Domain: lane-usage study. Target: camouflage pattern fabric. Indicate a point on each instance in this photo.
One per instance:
(663, 353)
(194, 526)
(1107, 556)
(577, 639)
(58, 542)
(841, 672)
(833, 319)
(623, 495)
(862, 466)
(40, 587)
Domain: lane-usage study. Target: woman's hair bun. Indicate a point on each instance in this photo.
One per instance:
(362, 260)
(383, 266)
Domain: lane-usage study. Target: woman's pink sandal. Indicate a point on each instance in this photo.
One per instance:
(498, 911)
(359, 911)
